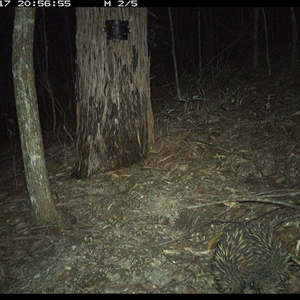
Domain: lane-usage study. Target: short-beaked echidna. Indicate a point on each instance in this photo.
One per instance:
(250, 258)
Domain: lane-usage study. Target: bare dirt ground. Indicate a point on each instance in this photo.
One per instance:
(233, 155)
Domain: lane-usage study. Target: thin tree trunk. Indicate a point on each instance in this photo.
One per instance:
(36, 174)
(267, 40)
(295, 39)
(174, 55)
(199, 42)
(255, 38)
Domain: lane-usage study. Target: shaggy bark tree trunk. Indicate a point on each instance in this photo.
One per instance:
(114, 114)
(38, 186)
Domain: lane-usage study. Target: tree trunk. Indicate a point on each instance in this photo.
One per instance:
(114, 114)
(295, 39)
(199, 42)
(255, 38)
(38, 186)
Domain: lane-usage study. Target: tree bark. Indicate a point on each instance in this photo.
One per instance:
(114, 114)
(36, 175)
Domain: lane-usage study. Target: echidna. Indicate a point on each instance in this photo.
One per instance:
(250, 258)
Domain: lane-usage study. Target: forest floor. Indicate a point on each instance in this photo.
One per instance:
(232, 155)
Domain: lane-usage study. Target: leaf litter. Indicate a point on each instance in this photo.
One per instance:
(151, 228)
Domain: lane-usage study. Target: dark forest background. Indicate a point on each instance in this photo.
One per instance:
(226, 44)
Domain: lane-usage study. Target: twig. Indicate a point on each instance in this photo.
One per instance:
(256, 198)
